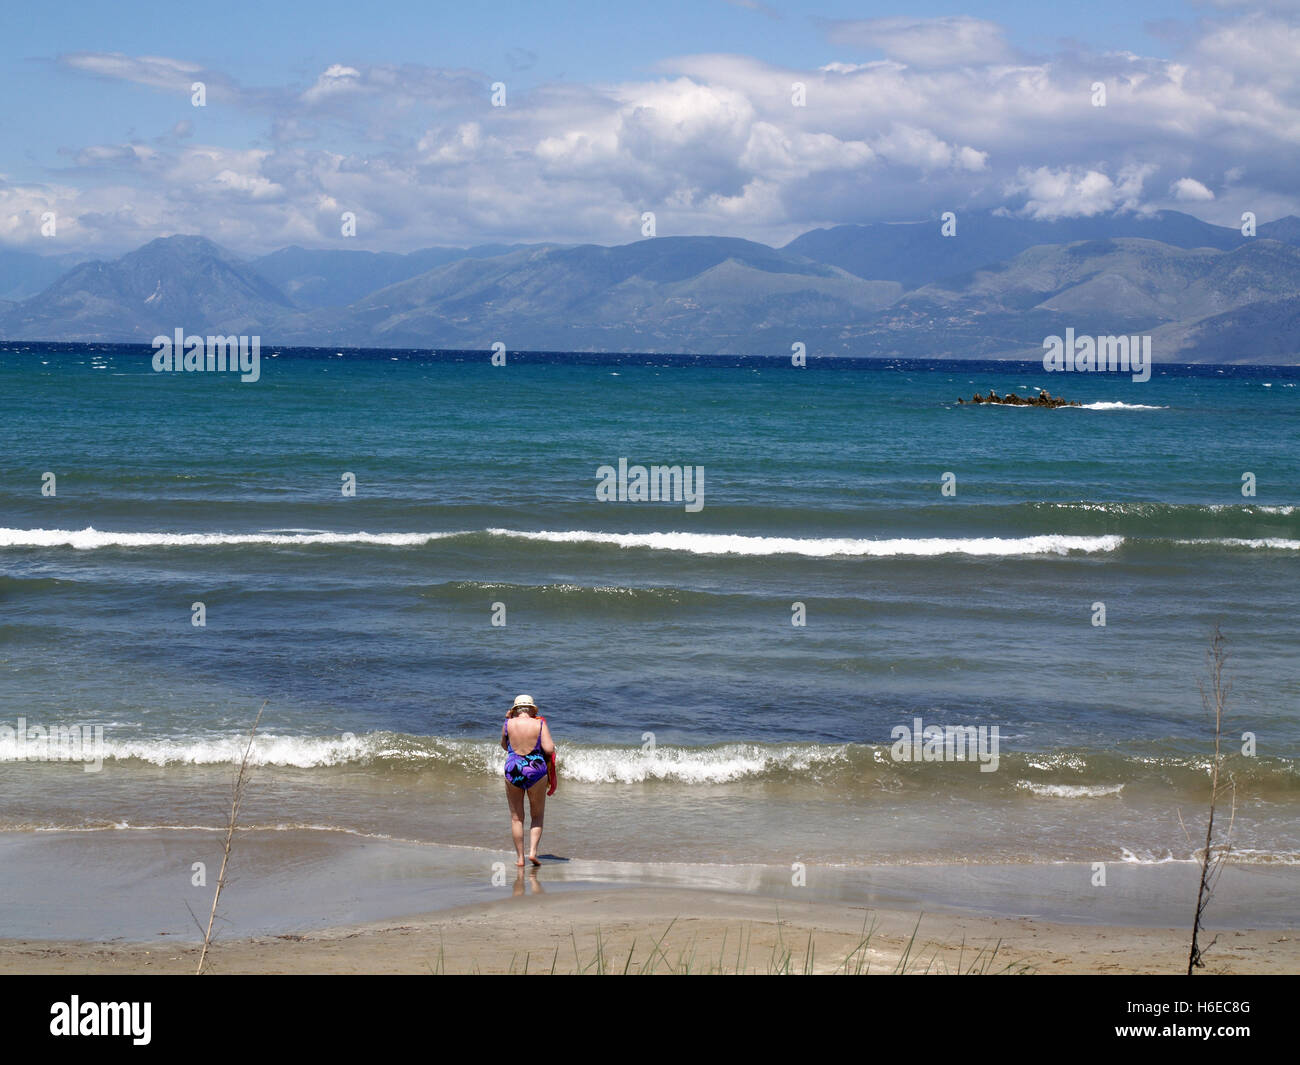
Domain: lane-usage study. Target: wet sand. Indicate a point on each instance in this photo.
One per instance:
(329, 902)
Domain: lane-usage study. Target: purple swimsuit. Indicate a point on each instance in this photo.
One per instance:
(524, 770)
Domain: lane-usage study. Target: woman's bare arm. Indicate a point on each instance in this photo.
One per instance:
(548, 745)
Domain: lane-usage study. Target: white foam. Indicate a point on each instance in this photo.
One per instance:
(695, 543)
(712, 765)
(1139, 507)
(1254, 856)
(592, 765)
(88, 539)
(1273, 542)
(1132, 858)
(1239, 855)
(1118, 406)
(1070, 791)
(300, 751)
(1247, 508)
(729, 544)
(1056, 761)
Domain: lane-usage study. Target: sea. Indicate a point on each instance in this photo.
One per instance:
(377, 550)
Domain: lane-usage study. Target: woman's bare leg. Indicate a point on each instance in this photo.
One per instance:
(537, 801)
(515, 796)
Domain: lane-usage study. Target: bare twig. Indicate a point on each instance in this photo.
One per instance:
(1215, 854)
(237, 794)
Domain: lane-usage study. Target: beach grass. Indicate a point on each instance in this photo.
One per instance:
(783, 958)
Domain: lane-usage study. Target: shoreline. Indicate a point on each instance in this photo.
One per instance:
(329, 903)
(664, 930)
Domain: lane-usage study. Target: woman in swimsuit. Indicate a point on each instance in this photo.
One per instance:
(525, 731)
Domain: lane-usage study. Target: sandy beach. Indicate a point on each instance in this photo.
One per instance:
(677, 930)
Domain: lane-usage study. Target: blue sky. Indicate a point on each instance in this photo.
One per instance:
(675, 107)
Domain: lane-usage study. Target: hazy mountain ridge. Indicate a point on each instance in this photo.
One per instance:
(174, 281)
(1205, 292)
(915, 253)
(335, 278)
(1126, 285)
(24, 274)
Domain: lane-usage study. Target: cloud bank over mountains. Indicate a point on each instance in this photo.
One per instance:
(910, 117)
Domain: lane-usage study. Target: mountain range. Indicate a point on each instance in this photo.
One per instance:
(994, 289)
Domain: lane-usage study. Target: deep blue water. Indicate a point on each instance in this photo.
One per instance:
(973, 608)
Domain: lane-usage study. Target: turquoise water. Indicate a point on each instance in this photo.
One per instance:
(696, 722)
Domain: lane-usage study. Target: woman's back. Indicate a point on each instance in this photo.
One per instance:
(524, 733)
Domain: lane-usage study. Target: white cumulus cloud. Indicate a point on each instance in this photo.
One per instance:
(1189, 190)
